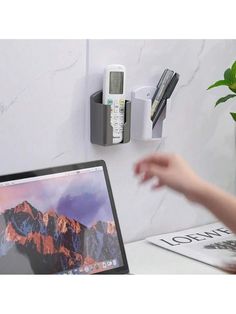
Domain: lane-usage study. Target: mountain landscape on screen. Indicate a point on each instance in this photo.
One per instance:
(51, 242)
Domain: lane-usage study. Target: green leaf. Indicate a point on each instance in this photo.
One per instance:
(219, 83)
(233, 87)
(233, 70)
(228, 76)
(224, 99)
(233, 114)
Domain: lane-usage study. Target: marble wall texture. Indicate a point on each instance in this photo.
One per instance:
(44, 118)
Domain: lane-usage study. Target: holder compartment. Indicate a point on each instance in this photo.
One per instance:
(101, 131)
(141, 123)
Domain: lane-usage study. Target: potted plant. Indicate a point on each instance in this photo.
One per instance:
(229, 81)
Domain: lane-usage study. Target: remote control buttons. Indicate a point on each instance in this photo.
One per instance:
(117, 119)
(122, 102)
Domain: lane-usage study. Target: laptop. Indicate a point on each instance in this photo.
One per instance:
(60, 220)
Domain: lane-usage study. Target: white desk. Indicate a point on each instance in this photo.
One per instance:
(146, 258)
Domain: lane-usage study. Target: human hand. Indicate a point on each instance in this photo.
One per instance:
(169, 170)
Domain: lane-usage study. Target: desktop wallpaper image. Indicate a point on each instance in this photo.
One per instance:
(56, 224)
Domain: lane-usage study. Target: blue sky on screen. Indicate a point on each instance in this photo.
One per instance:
(83, 196)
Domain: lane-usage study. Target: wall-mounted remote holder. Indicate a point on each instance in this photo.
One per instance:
(141, 123)
(101, 131)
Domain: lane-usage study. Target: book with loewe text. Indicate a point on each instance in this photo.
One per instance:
(213, 244)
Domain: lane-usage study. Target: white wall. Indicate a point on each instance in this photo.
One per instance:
(44, 117)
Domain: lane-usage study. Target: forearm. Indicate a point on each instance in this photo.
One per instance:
(220, 203)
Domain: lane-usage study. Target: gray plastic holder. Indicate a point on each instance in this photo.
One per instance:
(101, 131)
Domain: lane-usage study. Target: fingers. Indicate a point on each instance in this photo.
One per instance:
(157, 186)
(158, 159)
(146, 176)
(161, 159)
(150, 172)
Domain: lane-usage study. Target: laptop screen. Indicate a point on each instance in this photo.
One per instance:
(58, 223)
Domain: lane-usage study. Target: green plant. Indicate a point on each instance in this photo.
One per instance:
(229, 81)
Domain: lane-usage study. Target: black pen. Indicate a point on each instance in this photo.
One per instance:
(168, 92)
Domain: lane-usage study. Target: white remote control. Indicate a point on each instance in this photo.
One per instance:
(114, 96)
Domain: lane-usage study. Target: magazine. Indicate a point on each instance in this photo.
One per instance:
(213, 244)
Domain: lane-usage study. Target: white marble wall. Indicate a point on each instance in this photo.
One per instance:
(44, 117)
